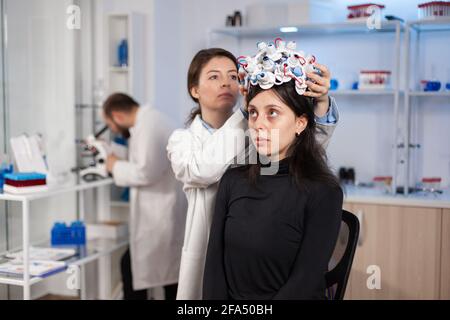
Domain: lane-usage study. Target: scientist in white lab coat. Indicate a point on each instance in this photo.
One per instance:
(157, 203)
(201, 153)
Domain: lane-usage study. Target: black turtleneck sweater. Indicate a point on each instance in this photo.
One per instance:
(273, 240)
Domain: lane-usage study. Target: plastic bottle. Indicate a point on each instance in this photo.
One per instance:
(123, 53)
(237, 19)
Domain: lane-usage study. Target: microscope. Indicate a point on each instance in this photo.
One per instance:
(99, 150)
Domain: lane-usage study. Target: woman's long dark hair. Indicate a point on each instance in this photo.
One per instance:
(195, 68)
(306, 157)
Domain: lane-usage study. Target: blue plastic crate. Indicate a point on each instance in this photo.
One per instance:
(4, 170)
(75, 234)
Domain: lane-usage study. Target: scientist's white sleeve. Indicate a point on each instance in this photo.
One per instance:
(325, 126)
(198, 163)
(147, 156)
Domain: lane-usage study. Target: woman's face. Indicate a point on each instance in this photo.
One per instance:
(218, 86)
(273, 125)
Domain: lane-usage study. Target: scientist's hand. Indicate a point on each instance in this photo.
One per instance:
(319, 89)
(110, 161)
(242, 89)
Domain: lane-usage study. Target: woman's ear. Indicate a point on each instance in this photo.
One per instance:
(194, 92)
(300, 124)
(116, 116)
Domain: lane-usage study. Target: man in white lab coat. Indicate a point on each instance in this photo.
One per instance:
(157, 204)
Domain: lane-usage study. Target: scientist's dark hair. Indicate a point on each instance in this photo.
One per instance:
(307, 158)
(119, 102)
(195, 68)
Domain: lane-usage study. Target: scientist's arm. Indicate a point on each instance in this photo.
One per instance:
(323, 216)
(202, 164)
(325, 125)
(150, 163)
(319, 85)
(325, 109)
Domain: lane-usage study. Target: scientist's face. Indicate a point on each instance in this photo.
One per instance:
(115, 127)
(218, 86)
(111, 124)
(273, 125)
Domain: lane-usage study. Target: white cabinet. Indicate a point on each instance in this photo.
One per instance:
(404, 244)
(128, 78)
(410, 247)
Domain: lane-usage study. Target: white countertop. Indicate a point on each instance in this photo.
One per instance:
(374, 196)
(70, 186)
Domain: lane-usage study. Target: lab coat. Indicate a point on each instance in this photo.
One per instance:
(157, 203)
(189, 150)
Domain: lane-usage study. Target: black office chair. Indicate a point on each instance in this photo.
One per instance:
(340, 273)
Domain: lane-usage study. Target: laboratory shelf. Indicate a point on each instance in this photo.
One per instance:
(311, 28)
(413, 60)
(362, 92)
(55, 190)
(430, 93)
(432, 24)
(18, 280)
(93, 250)
(119, 69)
(103, 211)
(120, 204)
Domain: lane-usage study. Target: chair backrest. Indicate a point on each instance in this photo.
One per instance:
(340, 273)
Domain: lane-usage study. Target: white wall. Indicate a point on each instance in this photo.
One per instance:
(40, 87)
(169, 71)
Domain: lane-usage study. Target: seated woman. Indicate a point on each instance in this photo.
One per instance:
(273, 235)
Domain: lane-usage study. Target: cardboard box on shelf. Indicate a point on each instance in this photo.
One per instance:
(107, 230)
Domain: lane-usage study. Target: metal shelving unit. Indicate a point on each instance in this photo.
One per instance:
(94, 250)
(363, 92)
(358, 27)
(429, 94)
(417, 28)
(309, 29)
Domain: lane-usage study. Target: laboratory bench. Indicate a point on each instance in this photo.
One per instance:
(404, 237)
(100, 250)
(365, 195)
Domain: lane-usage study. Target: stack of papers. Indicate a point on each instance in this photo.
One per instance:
(37, 268)
(36, 253)
(43, 261)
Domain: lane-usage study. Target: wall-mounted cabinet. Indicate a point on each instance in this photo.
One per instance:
(125, 63)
